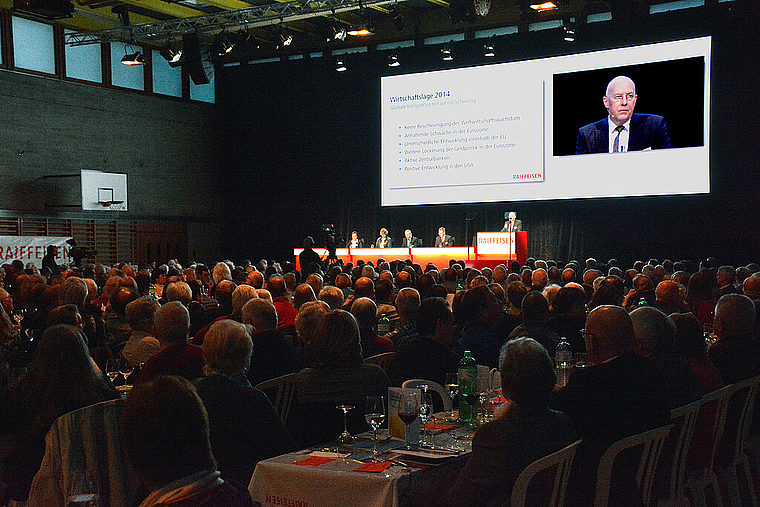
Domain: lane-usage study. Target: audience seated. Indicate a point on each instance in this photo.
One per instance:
(433, 354)
(177, 356)
(535, 312)
(60, 379)
(483, 333)
(523, 430)
(142, 345)
(407, 303)
(272, 355)
(735, 354)
(620, 395)
(337, 377)
(166, 437)
(243, 423)
(365, 311)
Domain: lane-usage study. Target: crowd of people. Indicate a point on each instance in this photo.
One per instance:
(640, 330)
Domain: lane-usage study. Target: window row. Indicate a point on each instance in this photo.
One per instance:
(33, 45)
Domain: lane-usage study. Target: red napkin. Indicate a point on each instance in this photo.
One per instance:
(434, 426)
(374, 466)
(313, 461)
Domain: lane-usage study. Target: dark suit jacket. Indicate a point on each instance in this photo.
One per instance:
(503, 448)
(447, 241)
(518, 225)
(647, 131)
(388, 242)
(607, 402)
(361, 243)
(415, 241)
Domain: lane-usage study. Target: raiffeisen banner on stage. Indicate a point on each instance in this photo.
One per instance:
(33, 248)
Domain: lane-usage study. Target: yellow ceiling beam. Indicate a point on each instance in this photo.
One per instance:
(227, 5)
(442, 3)
(173, 10)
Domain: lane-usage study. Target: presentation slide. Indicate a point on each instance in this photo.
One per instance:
(546, 129)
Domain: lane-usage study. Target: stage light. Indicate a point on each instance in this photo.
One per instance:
(393, 60)
(446, 55)
(340, 65)
(172, 54)
(545, 6)
(362, 30)
(286, 38)
(339, 32)
(133, 59)
(488, 50)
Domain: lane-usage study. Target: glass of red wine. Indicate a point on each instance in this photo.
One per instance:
(408, 410)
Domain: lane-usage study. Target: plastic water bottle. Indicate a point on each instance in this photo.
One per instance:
(468, 378)
(383, 325)
(563, 361)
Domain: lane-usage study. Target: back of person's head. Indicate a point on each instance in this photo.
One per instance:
(527, 372)
(276, 286)
(62, 359)
(364, 287)
(303, 294)
(221, 272)
(407, 303)
(331, 295)
(516, 291)
(535, 308)
(751, 287)
(178, 291)
(261, 314)
(690, 339)
(384, 290)
(606, 295)
(609, 332)
(539, 278)
(227, 348)
(336, 340)
(166, 432)
(172, 323)
(432, 311)
(315, 280)
(654, 332)
(255, 279)
(73, 291)
(64, 314)
(475, 301)
(569, 300)
(121, 298)
(365, 311)
(734, 315)
(643, 283)
(223, 292)
(240, 296)
(141, 313)
(308, 317)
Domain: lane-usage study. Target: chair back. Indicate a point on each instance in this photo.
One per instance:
(382, 360)
(671, 473)
(432, 386)
(85, 443)
(281, 391)
(651, 443)
(742, 405)
(562, 462)
(716, 403)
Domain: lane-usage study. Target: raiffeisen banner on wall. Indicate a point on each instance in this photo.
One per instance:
(33, 248)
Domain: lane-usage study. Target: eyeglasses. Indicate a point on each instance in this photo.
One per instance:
(584, 333)
(619, 96)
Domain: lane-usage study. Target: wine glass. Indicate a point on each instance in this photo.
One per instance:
(125, 368)
(345, 439)
(112, 370)
(374, 414)
(452, 384)
(408, 410)
(426, 410)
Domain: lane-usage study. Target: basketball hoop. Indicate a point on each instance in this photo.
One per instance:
(108, 204)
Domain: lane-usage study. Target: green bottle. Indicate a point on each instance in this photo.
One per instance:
(468, 379)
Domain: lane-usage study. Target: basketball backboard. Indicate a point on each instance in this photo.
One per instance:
(103, 191)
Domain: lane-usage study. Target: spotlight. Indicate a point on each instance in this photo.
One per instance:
(133, 59)
(361, 31)
(545, 6)
(393, 60)
(172, 55)
(286, 38)
(488, 51)
(446, 55)
(339, 32)
(398, 21)
(340, 65)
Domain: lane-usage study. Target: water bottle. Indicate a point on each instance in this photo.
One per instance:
(563, 361)
(642, 302)
(468, 378)
(383, 325)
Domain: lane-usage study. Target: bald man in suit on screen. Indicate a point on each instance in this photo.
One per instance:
(622, 130)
